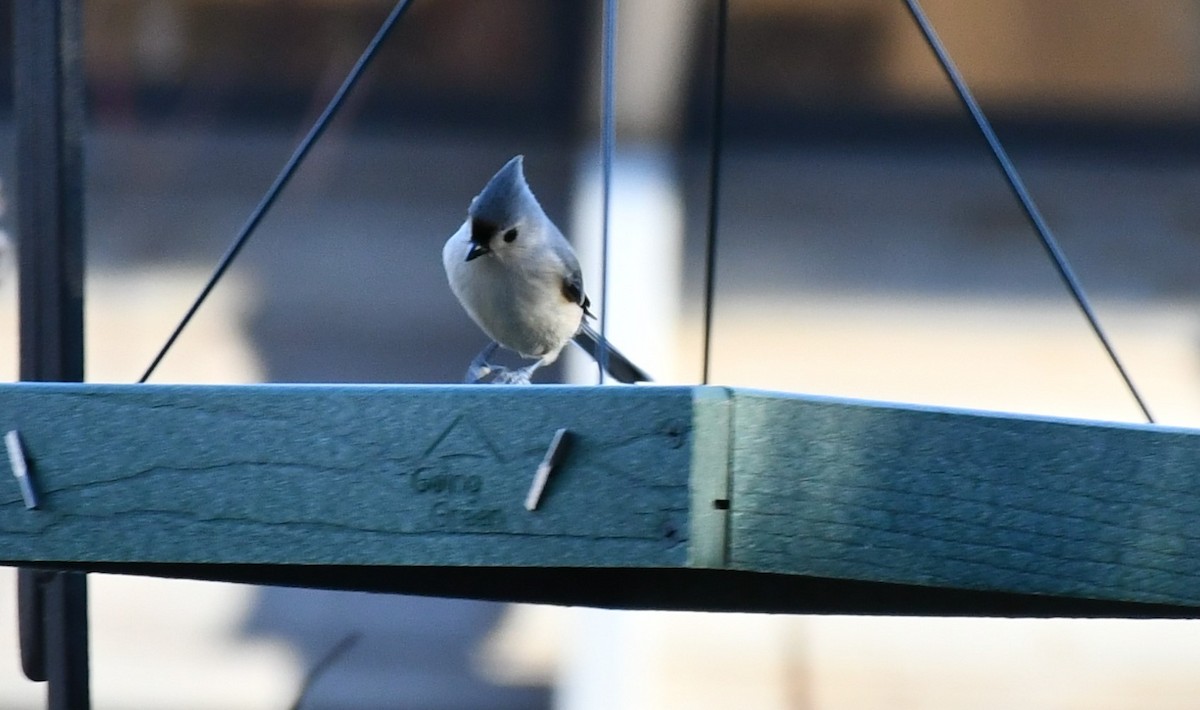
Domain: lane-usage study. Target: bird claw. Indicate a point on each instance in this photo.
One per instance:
(499, 375)
(480, 367)
(477, 373)
(513, 377)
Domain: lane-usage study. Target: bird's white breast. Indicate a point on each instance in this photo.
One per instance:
(517, 301)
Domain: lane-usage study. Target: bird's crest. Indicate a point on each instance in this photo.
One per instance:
(504, 197)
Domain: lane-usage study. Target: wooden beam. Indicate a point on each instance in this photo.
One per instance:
(348, 475)
(670, 497)
(966, 500)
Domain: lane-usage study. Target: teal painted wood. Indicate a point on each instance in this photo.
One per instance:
(388, 475)
(965, 500)
(659, 481)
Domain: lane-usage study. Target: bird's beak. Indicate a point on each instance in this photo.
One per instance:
(477, 250)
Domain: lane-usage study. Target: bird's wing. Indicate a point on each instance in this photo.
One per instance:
(572, 288)
(572, 284)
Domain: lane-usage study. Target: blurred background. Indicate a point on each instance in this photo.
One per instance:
(867, 248)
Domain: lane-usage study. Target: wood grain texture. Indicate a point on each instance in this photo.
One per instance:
(965, 500)
(389, 475)
(670, 497)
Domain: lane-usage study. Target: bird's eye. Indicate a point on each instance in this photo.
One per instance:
(510, 235)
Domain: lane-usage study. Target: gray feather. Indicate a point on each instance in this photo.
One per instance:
(506, 197)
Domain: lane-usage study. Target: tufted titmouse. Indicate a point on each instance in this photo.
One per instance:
(519, 280)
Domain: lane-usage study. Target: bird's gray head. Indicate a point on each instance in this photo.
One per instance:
(499, 216)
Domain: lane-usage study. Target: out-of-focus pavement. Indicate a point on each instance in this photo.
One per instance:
(893, 276)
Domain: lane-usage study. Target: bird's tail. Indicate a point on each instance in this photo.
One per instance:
(613, 361)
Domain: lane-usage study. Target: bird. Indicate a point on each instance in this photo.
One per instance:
(518, 278)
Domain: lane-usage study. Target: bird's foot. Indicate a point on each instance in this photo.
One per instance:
(480, 368)
(520, 376)
(477, 373)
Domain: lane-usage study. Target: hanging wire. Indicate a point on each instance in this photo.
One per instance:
(714, 183)
(1018, 188)
(608, 144)
(285, 175)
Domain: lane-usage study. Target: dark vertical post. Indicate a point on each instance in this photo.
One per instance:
(48, 106)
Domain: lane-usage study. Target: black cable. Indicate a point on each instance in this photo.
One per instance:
(285, 175)
(1022, 195)
(714, 182)
(608, 142)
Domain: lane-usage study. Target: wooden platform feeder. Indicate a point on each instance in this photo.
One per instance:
(668, 497)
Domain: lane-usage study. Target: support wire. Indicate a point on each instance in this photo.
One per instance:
(285, 175)
(608, 144)
(1018, 188)
(714, 183)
